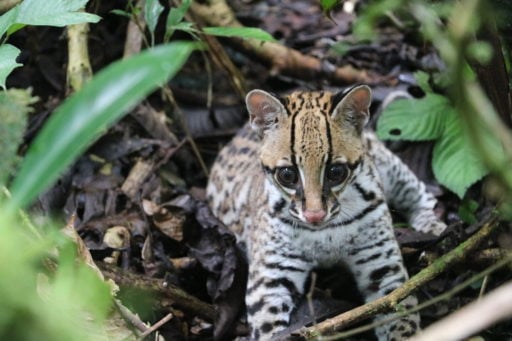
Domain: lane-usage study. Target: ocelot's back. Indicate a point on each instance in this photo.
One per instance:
(304, 185)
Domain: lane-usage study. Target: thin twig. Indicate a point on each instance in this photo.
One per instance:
(483, 287)
(169, 96)
(309, 297)
(131, 319)
(157, 325)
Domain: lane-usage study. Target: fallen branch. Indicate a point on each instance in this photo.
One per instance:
(389, 302)
(281, 59)
(161, 288)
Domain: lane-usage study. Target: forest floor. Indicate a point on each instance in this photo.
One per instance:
(138, 194)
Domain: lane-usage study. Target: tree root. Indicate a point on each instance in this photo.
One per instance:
(390, 302)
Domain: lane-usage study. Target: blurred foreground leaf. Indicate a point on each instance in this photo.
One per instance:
(84, 116)
(38, 304)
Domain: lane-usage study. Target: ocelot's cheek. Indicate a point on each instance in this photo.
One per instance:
(294, 208)
(333, 205)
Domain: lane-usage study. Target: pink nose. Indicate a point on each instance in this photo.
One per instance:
(314, 216)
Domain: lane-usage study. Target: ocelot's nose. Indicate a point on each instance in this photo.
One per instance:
(314, 216)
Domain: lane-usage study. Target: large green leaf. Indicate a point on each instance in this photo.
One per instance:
(414, 119)
(240, 32)
(88, 113)
(454, 161)
(8, 55)
(54, 12)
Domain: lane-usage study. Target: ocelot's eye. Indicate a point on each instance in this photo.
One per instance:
(336, 173)
(287, 176)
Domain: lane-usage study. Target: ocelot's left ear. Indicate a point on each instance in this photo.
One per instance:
(353, 108)
(265, 110)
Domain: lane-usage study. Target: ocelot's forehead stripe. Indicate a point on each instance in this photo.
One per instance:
(329, 137)
(303, 108)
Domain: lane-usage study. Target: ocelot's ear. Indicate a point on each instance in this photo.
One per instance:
(265, 111)
(353, 107)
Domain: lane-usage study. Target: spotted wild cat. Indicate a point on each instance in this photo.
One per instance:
(304, 186)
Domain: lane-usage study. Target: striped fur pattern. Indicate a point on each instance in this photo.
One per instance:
(304, 186)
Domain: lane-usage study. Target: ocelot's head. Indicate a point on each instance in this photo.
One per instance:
(311, 144)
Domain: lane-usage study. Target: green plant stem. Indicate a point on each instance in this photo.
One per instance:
(79, 69)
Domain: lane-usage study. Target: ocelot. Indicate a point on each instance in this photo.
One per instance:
(303, 185)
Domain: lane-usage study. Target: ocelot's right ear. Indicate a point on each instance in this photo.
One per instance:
(265, 110)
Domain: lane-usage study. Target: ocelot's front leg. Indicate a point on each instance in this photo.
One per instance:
(276, 281)
(404, 191)
(375, 260)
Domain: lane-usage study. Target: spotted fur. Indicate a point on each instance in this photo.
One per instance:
(304, 186)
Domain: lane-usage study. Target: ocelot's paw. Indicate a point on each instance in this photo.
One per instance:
(403, 328)
(427, 222)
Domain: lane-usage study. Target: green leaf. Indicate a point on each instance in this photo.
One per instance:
(8, 55)
(328, 5)
(152, 11)
(176, 15)
(174, 19)
(54, 13)
(454, 160)
(84, 116)
(8, 18)
(414, 119)
(121, 13)
(185, 26)
(240, 32)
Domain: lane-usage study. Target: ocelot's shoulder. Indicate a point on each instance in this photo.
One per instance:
(371, 140)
